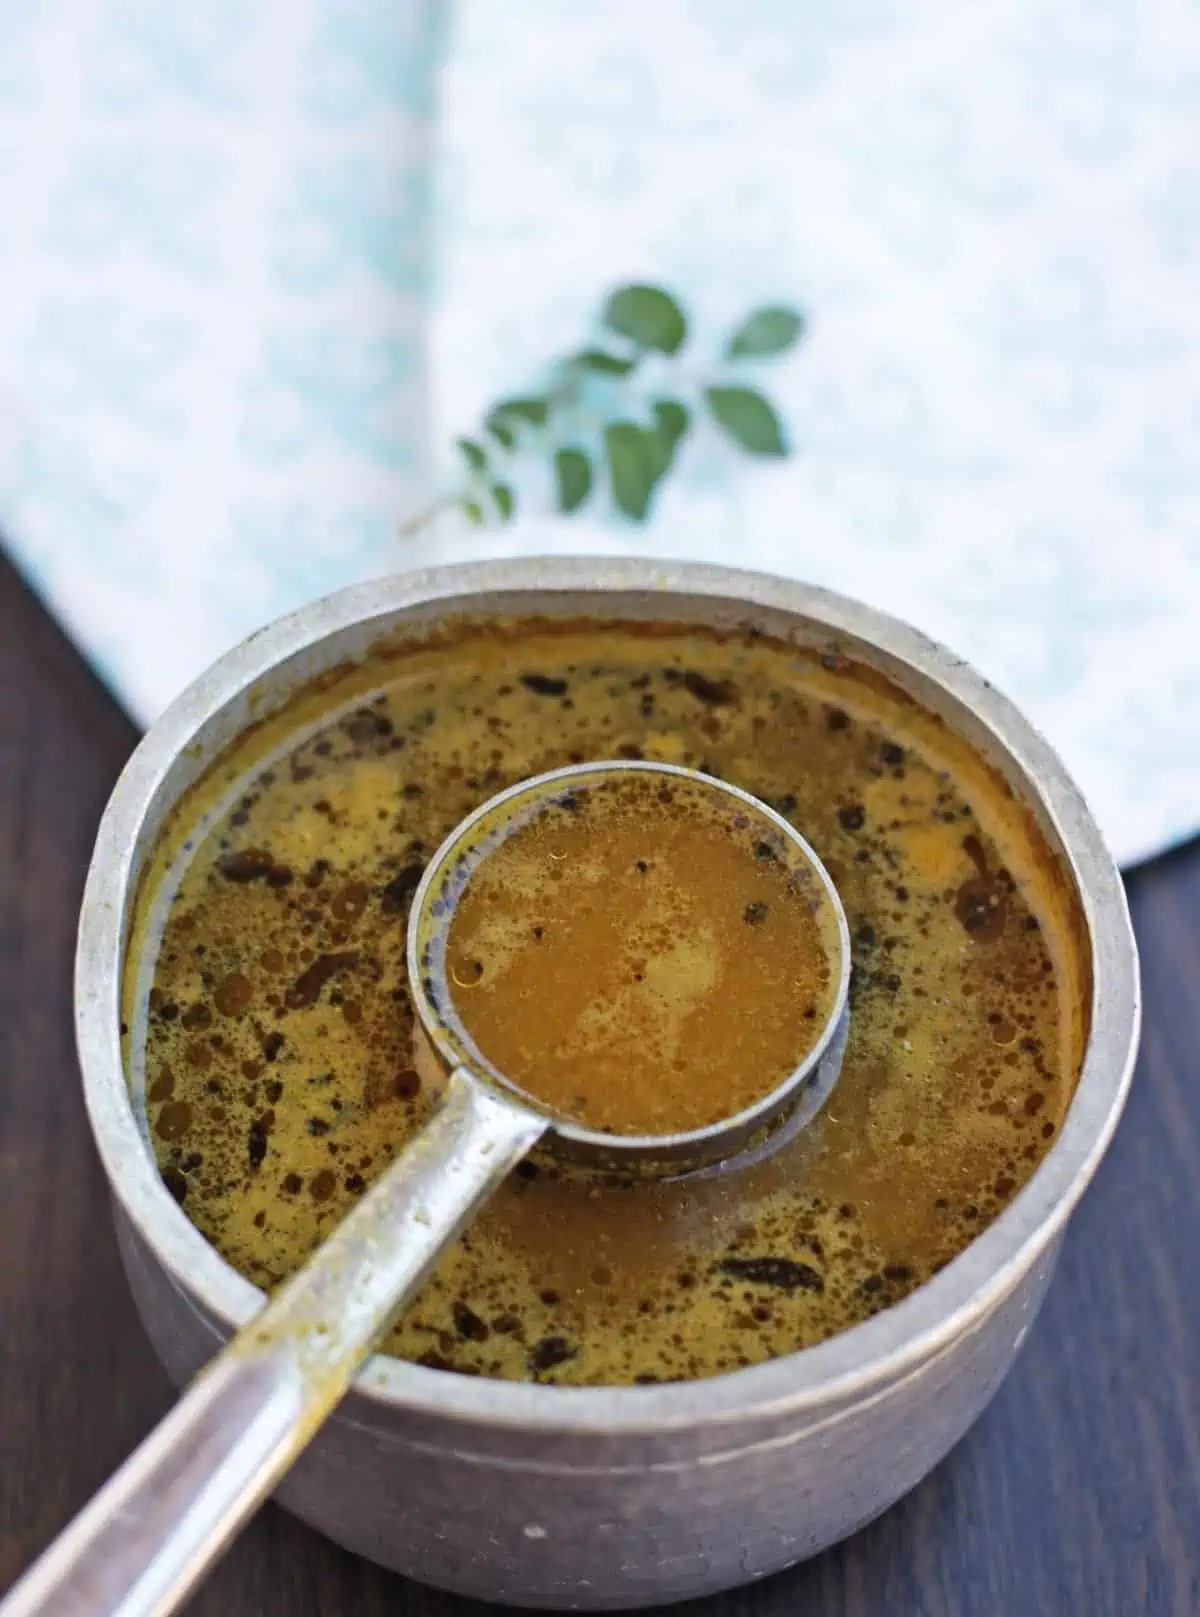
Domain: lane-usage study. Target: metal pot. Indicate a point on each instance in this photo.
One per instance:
(600, 1498)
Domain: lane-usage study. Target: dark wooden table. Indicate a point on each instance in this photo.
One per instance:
(1076, 1495)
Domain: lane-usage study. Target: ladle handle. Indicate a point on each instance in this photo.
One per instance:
(148, 1536)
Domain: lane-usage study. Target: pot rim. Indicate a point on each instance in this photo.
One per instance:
(846, 1366)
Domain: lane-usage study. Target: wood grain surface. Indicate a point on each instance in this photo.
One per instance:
(1076, 1495)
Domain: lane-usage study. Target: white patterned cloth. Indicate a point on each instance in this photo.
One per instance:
(213, 293)
(220, 351)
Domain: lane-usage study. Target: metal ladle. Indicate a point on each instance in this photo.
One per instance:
(140, 1546)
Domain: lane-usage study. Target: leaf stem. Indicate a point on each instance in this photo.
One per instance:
(428, 516)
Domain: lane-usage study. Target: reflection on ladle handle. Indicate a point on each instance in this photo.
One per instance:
(143, 1542)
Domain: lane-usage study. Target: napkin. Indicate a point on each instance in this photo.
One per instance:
(214, 284)
(259, 266)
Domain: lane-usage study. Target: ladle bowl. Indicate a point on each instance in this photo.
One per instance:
(788, 1106)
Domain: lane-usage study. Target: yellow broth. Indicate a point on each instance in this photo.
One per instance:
(642, 956)
(270, 1035)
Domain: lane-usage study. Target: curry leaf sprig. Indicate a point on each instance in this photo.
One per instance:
(608, 414)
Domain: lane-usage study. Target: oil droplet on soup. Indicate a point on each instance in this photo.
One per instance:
(644, 956)
(272, 1033)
